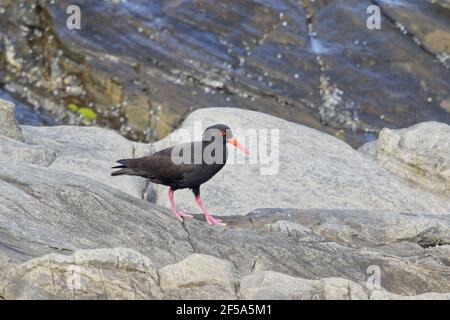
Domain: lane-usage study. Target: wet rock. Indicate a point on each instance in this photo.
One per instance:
(314, 63)
(303, 168)
(198, 276)
(87, 274)
(420, 153)
(8, 124)
(424, 23)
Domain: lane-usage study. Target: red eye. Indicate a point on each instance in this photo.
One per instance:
(223, 133)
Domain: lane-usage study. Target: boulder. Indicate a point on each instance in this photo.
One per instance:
(13, 150)
(296, 167)
(122, 273)
(443, 3)
(199, 277)
(369, 228)
(385, 295)
(8, 124)
(87, 274)
(44, 210)
(277, 286)
(90, 152)
(64, 225)
(420, 153)
(311, 62)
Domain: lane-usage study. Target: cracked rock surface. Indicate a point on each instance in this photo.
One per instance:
(312, 62)
(303, 168)
(68, 231)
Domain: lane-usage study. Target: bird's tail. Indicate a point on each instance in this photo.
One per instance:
(125, 166)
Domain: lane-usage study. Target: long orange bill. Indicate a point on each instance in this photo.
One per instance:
(236, 143)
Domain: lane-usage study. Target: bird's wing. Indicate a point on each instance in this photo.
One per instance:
(162, 166)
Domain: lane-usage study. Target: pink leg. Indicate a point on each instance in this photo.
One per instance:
(208, 217)
(173, 208)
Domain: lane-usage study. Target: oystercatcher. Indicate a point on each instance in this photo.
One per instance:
(186, 165)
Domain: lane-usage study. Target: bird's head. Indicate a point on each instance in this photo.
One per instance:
(223, 132)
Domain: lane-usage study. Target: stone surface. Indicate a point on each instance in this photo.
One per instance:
(369, 149)
(313, 171)
(87, 274)
(12, 150)
(312, 62)
(384, 295)
(443, 3)
(89, 152)
(58, 217)
(420, 153)
(273, 285)
(44, 210)
(198, 276)
(8, 124)
(398, 234)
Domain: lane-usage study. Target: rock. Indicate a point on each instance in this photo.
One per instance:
(44, 210)
(419, 20)
(398, 234)
(87, 274)
(198, 276)
(89, 152)
(369, 149)
(300, 232)
(443, 3)
(56, 212)
(304, 168)
(277, 286)
(420, 153)
(312, 62)
(8, 124)
(385, 295)
(12, 150)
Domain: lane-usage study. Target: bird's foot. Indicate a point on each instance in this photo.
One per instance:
(180, 215)
(213, 221)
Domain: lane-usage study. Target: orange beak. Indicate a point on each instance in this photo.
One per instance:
(236, 143)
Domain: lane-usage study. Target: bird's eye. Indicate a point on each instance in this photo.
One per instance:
(223, 133)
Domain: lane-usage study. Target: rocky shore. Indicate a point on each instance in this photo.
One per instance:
(311, 62)
(333, 223)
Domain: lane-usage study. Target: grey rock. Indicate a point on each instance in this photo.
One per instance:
(312, 62)
(8, 124)
(13, 150)
(87, 274)
(369, 149)
(90, 152)
(293, 229)
(198, 276)
(420, 153)
(360, 228)
(44, 210)
(385, 295)
(314, 170)
(443, 3)
(273, 285)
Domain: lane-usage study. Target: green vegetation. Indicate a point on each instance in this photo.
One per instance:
(86, 113)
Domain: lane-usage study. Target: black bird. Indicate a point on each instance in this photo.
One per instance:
(186, 165)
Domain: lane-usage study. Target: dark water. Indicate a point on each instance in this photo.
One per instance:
(27, 114)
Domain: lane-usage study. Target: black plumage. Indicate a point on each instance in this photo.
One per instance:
(187, 165)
